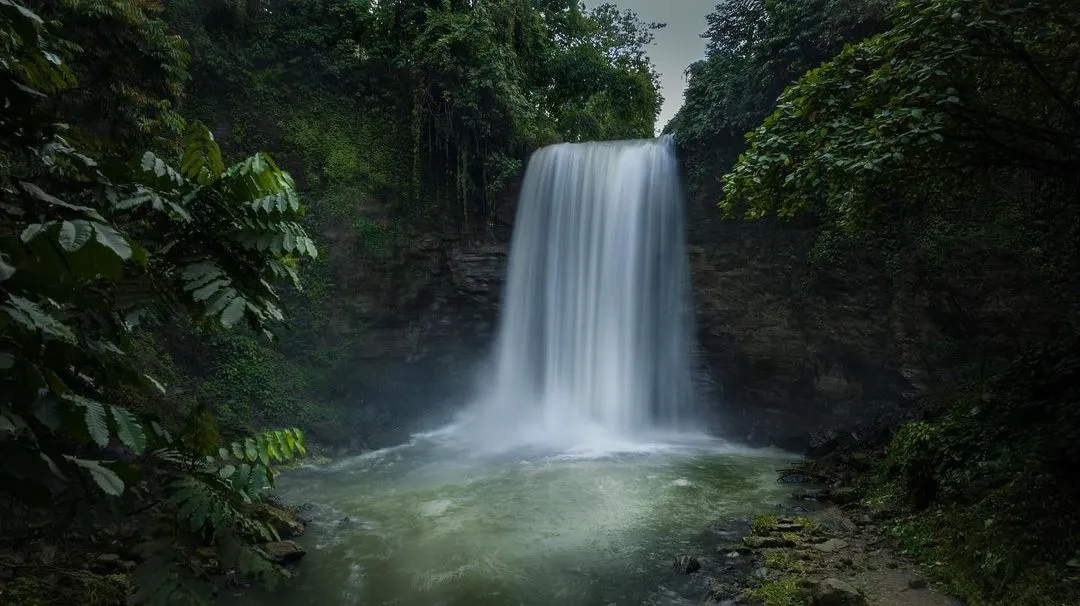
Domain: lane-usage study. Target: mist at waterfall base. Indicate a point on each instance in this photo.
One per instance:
(577, 475)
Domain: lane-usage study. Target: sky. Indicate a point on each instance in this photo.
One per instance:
(676, 46)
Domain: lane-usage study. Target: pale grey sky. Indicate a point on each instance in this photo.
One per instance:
(676, 46)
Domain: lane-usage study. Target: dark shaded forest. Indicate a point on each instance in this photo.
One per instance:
(929, 149)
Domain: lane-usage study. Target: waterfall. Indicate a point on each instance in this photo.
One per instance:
(594, 337)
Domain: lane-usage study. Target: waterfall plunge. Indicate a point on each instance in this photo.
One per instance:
(593, 349)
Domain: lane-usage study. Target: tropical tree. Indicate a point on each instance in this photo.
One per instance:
(949, 145)
(90, 251)
(755, 48)
(955, 89)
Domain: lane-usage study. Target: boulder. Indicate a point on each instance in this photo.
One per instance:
(281, 519)
(285, 552)
(834, 592)
(756, 542)
(831, 546)
(108, 558)
(687, 564)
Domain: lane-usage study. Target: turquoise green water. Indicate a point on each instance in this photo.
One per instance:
(425, 523)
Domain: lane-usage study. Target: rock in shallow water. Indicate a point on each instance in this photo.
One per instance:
(285, 552)
(687, 564)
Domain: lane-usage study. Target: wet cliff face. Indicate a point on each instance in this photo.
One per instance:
(414, 332)
(786, 358)
(797, 360)
(795, 345)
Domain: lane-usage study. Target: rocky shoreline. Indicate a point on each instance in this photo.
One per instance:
(826, 551)
(67, 570)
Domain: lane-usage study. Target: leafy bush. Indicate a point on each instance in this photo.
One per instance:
(89, 252)
(992, 481)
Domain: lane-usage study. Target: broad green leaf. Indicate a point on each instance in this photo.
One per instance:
(166, 174)
(54, 468)
(56, 384)
(272, 447)
(234, 312)
(257, 481)
(198, 516)
(108, 236)
(240, 478)
(105, 478)
(189, 502)
(32, 317)
(40, 194)
(227, 471)
(157, 384)
(140, 197)
(49, 413)
(129, 430)
(6, 424)
(264, 454)
(287, 446)
(6, 270)
(161, 431)
(28, 21)
(105, 347)
(35, 229)
(75, 234)
(199, 275)
(298, 439)
(251, 450)
(96, 423)
(199, 271)
(7, 360)
(205, 292)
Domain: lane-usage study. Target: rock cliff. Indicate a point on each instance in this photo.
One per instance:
(796, 361)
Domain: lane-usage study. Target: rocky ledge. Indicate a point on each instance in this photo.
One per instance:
(825, 557)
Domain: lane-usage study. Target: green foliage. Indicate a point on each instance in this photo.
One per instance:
(784, 560)
(754, 49)
(989, 482)
(66, 587)
(210, 496)
(252, 385)
(377, 239)
(763, 524)
(941, 151)
(91, 250)
(129, 105)
(944, 92)
(785, 592)
(428, 108)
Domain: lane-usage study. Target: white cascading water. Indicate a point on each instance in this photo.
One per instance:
(594, 341)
